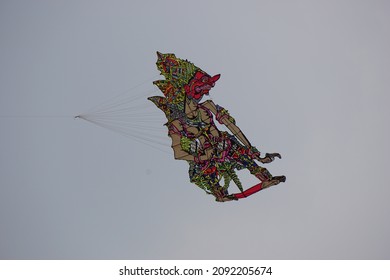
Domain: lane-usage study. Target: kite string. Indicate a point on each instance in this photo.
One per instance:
(112, 99)
(133, 106)
(132, 116)
(135, 137)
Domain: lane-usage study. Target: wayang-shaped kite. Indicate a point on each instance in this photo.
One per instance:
(212, 154)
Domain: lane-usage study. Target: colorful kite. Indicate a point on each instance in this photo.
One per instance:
(212, 154)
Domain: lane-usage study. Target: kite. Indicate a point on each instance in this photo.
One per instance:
(212, 154)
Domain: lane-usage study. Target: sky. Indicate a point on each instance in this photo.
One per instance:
(307, 79)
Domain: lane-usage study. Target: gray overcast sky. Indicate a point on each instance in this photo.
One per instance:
(308, 79)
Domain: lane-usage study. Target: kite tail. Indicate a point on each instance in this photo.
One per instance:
(263, 185)
(248, 192)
